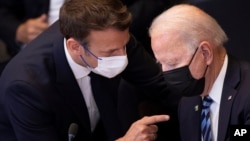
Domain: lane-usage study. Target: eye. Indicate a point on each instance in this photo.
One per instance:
(117, 51)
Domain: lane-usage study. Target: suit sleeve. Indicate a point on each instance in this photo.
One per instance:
(247, 111)
(28, 115)
(143, 72)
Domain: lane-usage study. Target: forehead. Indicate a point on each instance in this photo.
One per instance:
(110, 37)
(168, 49)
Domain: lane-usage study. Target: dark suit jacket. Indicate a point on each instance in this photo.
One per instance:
(13, 13)
(40, 97)
(139, 107)
(234, 108)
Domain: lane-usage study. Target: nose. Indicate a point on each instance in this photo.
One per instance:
(164, 68)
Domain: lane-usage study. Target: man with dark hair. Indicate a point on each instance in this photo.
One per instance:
(71, 74)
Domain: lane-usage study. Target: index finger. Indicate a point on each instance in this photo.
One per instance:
(154, 119)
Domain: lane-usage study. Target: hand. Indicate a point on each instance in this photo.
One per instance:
(30, 29)
(144, 129)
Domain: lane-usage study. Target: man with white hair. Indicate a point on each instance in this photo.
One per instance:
(189, 44)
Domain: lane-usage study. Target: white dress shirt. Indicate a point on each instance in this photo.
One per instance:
(81, 75)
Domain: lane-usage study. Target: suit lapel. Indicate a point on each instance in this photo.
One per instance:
(232, 79)
(197, 118)
(105, 94)
(190, 117)
(68, 86)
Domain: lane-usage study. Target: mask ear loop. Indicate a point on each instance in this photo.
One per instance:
(85, 47)
(85, 62)
(193, 56)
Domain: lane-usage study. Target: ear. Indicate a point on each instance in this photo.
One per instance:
(207, 52)
(74, 47)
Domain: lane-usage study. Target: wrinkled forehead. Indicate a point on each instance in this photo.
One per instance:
(168, 46)
(177, 54)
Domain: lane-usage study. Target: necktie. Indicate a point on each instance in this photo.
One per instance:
(205, 119)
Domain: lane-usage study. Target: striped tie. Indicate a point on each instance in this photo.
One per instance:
(205, 119)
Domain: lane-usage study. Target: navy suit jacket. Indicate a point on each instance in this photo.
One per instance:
(13, 13)
(40, 97)
(234, 107)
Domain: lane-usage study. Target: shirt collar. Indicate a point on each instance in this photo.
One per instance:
(216, 90)
(78, 70)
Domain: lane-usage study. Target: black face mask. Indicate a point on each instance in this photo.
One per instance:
(182, 79)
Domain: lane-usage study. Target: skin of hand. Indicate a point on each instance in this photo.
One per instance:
(30, 29)
(144, 129)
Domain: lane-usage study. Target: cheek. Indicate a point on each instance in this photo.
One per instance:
(198, 68)
(93, 62)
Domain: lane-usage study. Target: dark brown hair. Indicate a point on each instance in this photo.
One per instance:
(78, 17)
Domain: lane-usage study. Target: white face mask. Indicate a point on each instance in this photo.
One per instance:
(110, 66)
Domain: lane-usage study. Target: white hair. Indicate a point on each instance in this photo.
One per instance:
(192, 25)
